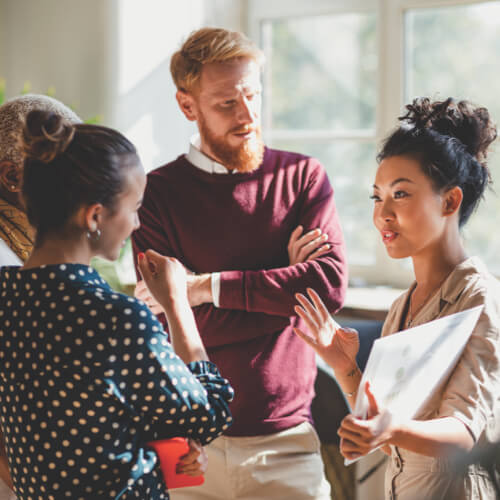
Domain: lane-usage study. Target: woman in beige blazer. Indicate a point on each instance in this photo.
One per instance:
(431, 176)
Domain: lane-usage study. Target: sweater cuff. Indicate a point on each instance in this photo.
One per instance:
(232, 290)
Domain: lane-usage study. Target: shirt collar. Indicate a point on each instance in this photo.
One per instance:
(449, 291)
(458, 279)
(202, 161)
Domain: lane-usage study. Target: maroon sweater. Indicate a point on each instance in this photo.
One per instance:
(240, 224)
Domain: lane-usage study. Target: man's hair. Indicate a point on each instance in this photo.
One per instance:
(208, 45)
(13, 114)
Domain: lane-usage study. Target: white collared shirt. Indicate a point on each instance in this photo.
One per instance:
(202, 161)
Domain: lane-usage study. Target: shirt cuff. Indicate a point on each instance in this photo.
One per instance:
(215, 282)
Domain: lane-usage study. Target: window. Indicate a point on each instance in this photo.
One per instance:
(468, 39)
(338, 74)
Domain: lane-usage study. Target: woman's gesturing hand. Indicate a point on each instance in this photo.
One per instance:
(142, 292)
(165, 278)
(336, 345)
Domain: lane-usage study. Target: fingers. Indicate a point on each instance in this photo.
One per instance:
(348, 334)
(295, 235)
(194, 462)
(192, 455)
(319, 252)
(320, 307)
(141, 291)
(305, 337)
(307, 313)
(144, 268)
(302, 247)
(363, 436)
(354, 442)
(373, 408)
(311, 236)
(349, 450)
(191, 469)
(309, 243)
(155, 308)
(355, 429)
(310, 308)
(157, 261)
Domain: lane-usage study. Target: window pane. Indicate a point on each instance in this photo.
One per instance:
(455, 51)
(322, 72)
(481, 232)
(351, 168)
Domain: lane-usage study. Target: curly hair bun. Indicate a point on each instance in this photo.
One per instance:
(461, 119)
(46, 135)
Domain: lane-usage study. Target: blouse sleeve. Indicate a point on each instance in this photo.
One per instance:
(471, 393)
(168, 397)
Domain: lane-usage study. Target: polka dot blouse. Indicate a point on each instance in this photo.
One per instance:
(87, 377)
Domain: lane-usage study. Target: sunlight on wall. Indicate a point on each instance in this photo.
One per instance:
(147, 34)
(149, 31)
(141, 134)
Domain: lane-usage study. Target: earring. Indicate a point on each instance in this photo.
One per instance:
(95, 235)
(12, 187)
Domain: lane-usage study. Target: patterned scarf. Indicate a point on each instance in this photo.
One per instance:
(15, 230)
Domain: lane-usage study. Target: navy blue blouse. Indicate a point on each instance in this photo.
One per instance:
(87, 378)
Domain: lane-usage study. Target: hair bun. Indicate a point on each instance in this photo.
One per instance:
(46, 135)
(461, 119)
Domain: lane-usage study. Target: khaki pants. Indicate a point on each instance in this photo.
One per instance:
(286, 465)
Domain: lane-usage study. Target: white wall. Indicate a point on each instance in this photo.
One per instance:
(60, 43)
(110, 57)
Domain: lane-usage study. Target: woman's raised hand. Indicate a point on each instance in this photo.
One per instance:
(142, 292)
(165, 278)
(336, 345)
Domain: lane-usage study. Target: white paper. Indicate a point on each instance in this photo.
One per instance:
(404, 369)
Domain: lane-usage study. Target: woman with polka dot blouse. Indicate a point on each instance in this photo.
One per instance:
(87, 375)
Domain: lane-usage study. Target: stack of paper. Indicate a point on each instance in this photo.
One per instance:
(405, 369)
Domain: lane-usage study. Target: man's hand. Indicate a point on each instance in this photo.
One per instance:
(199, 289)
(195, 461)
(309, 246)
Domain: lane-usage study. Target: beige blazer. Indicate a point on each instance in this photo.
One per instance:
(471, 394)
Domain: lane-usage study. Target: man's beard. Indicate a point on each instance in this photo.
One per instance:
(244, 158)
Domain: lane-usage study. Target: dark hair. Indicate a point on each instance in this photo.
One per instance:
(70, 165)
(450, 140)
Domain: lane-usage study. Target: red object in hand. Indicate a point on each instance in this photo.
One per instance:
(169, 452)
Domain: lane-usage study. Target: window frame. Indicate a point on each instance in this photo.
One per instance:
(390, 91)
